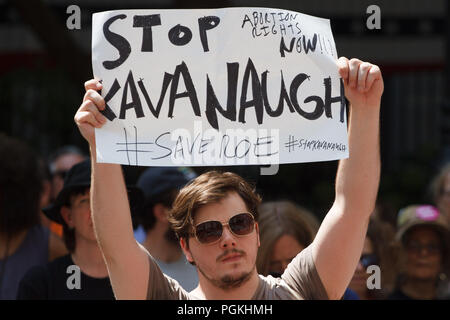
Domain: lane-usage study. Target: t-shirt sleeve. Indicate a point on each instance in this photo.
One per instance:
(34, 285)
(162, 287)
(301, 275)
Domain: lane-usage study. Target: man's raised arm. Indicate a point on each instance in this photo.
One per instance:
(340, 239)
(127, 262)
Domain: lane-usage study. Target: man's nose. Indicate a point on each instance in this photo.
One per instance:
(228, 240)
(425, 251)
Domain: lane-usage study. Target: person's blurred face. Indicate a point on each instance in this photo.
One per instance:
(60, 167)
(284, 250)
(78, 216)
(359, 280)
(444, 198)
(424, 253)
(230, 261)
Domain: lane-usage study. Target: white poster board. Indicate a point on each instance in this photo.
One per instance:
(216, 87)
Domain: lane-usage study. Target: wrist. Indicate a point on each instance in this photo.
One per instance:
(93, 151)
(366, 110)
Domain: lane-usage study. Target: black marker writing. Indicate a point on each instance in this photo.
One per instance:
(252, 81)
(134, 145)
(178, 35)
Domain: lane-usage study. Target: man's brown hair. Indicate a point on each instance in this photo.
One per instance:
(209, 187)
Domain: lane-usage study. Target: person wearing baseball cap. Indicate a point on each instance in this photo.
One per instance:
(82, 274)
(424, 235)
(160, 186)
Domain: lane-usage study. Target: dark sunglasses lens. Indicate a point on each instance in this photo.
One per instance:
(368, 260)
(241, 224)
(209, 231)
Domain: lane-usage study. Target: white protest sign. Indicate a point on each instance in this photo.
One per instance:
(217, 87)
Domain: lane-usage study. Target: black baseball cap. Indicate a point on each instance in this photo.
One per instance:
(80, 176)
(156, 180)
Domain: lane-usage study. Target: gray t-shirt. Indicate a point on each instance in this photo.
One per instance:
(300, 281)
(182, 271)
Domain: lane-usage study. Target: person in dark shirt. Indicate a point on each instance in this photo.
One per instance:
(82, 274)
(63, 280)
(24, 241)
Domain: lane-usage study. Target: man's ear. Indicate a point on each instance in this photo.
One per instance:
(66, 214)
(185, 247)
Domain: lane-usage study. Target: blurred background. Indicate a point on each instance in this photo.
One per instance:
(43, 66)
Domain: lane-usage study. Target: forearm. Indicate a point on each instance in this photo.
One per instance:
(127, 262)
(110, 208)
(358, 176)
(340, 240)
(356, 191)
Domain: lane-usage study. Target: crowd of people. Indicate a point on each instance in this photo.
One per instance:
(70, 228)
(50, 230)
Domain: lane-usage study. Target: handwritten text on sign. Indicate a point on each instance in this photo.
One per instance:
(217, 87)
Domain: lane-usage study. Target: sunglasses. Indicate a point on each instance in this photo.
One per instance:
(417, 248)
(368, 260)
(211, 231)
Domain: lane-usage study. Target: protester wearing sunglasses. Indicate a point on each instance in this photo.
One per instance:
(374, 253)
(424, 235)
(225, 256)
(381, 252)
(60, 163)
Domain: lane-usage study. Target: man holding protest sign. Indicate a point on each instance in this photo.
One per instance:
(219, 233)
(270, 56)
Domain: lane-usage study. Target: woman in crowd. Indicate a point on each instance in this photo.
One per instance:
(423, 232)
(285, 230)
(378, 251)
